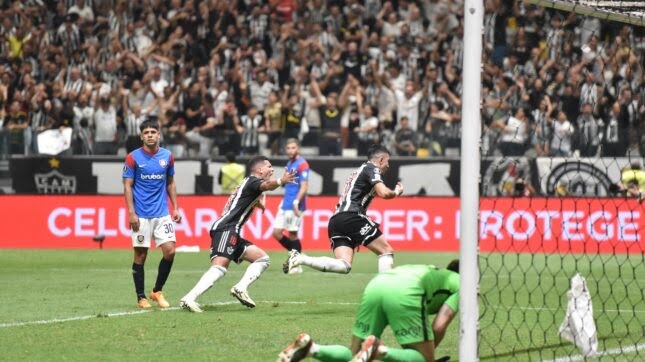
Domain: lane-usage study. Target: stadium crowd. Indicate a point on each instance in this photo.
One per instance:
(245, 75)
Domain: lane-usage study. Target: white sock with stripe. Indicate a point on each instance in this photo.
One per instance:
(213, 274)
(253, 272)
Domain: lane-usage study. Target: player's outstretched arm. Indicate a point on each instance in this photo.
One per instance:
(387, 193)
(272, 184)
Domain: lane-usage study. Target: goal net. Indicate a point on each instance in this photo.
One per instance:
(563, 177)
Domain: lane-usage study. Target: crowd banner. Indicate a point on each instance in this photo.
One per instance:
(525, 225)
(437, 176)
(102, 175)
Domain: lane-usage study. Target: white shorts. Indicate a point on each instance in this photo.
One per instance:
(287, 219)
(162, 229)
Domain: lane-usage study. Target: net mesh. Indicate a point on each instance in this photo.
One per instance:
(562, 176)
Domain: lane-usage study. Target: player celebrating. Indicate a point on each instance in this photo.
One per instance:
(350, 226)
(401, 298)
(226, 242)
(148, 182)
(293, 204)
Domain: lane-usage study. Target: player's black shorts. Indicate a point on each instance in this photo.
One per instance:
(352, 229)
(229, 244)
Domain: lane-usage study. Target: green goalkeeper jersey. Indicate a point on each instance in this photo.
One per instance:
(440, 286)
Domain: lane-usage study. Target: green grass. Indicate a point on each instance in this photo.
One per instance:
(59, 284)
(523, 302)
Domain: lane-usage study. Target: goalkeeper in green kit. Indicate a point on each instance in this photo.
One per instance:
(402, 298)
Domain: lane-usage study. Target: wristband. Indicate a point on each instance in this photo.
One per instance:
(279, 182)
(296, 203)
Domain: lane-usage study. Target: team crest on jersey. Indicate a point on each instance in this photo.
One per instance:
(163, 163)
(140, 238)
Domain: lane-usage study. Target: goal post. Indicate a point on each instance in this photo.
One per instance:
(469, 200)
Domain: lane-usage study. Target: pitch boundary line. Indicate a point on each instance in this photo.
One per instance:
(608, 352)
(136, 312)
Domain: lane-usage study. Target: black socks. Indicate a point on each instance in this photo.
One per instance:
(139, 278)
(290, 244)
(162, 274)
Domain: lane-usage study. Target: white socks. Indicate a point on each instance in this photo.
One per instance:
(326, 264)
(207, 280)
(253, 272)
(385, 262)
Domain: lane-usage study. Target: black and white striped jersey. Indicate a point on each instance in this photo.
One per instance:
(240, 205)
(359, 189)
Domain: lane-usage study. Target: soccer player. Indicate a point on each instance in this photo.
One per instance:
(350, 226)
(402, 298)
(293, 204)
(226, 242)
(148, 180)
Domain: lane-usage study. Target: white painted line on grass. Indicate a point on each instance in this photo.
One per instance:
(70, 319)
(609, 352)
(135, 312)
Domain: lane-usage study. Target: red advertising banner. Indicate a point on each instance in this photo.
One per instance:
(551, 225)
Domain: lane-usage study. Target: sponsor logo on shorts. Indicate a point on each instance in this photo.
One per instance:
(363, 327)
(412, 331)
(365, 229)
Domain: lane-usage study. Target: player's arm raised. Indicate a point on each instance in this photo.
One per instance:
(272, 184)
(385, 192)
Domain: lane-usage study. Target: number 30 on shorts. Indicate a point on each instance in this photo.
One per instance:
(168, 228)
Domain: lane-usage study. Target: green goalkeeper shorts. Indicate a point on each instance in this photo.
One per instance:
(384, 304)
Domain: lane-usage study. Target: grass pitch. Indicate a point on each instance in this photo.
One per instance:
(80, 305)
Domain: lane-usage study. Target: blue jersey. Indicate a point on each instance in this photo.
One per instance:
(150, 173)
(301, 167)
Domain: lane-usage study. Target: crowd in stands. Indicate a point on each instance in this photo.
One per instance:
(244, 75)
